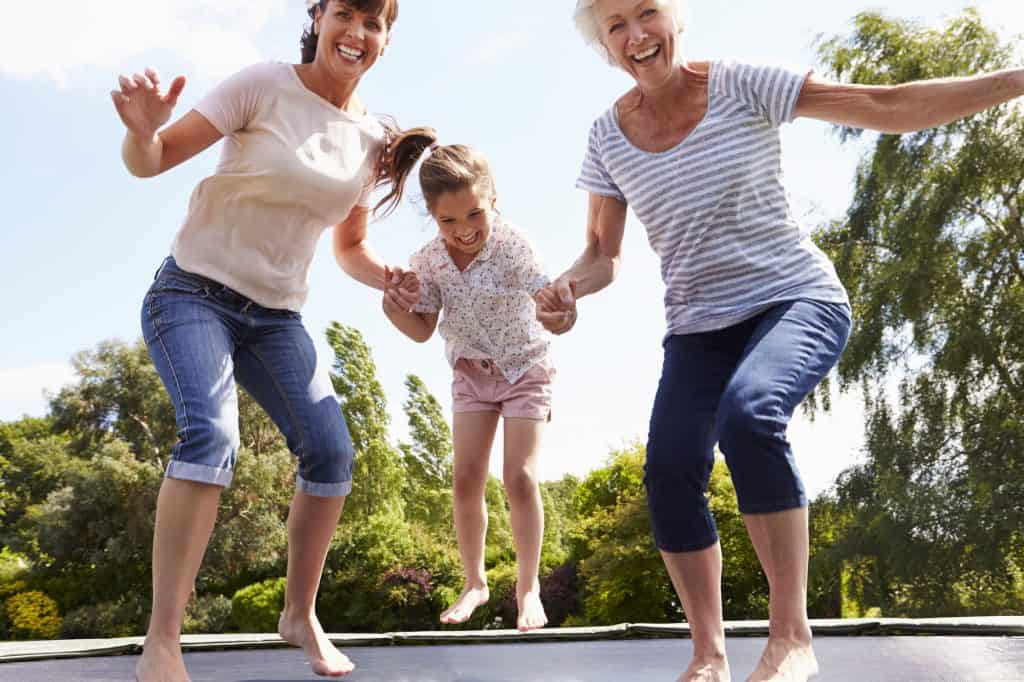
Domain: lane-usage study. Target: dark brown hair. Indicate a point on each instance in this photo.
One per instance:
(309, 40)
(449, 168)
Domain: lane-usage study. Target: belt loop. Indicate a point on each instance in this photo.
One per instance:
(245, 308)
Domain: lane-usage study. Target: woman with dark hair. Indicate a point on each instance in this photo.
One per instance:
(756, 315)
(301, 153)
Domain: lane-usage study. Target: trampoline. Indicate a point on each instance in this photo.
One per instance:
(862, 658)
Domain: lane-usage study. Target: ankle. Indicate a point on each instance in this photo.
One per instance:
(790, 631)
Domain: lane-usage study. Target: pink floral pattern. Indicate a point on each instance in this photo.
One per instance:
(487, 309)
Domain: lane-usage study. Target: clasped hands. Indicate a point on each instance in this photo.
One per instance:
(556, 305)
(401, 290)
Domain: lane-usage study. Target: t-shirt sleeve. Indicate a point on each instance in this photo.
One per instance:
(233, 103)
(594, 176)
(430, 293)
(773, 90)
(528, 265)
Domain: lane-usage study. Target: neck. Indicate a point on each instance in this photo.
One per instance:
(341, 94)
(667, 91)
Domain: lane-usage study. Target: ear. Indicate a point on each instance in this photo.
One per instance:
(387, 43)
(316, 20)
(494, 202)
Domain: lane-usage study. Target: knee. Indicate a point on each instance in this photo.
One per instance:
(218, 438)
(329, 458)
(744, 420)
(682, 456)
(469, 482)
(520, 483)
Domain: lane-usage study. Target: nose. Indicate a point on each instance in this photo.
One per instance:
(354, 29)
(636, 33)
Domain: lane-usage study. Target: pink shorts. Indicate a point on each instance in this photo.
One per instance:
(479, 386)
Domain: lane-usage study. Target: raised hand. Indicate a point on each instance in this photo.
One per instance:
(142, 106)
(556, 306)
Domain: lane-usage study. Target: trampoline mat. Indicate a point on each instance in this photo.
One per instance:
(842, 659)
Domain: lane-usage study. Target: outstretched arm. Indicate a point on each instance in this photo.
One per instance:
(594, 270)
(907, 108)
(143, 108)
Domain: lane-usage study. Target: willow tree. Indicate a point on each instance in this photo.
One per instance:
(932, 253)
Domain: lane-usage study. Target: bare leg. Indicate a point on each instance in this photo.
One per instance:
(781, 542)
(473, 435)
(697, 577)
(311, 524)
(185, 515)
(522, 443)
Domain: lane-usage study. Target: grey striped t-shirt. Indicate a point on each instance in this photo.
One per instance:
(714, 206)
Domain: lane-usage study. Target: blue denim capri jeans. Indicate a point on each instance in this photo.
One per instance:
(737, 387)
(203, 336)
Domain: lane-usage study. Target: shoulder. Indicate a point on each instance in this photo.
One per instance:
(427, 253)
(263, 74)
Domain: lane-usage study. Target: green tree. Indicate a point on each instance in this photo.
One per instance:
(377, 474)
(427, 492)
(930, 251)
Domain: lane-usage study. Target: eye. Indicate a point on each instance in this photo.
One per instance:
(474, 213)
(373, 25)
(615, 27)
(648, 12)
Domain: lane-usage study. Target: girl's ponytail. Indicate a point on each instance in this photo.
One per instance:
(397, 161)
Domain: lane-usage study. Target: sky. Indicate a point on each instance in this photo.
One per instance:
(83, 238)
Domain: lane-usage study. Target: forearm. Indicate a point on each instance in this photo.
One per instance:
(412, 325)
(927, 104)
(142, 157)
(592, 271)
(361, 264)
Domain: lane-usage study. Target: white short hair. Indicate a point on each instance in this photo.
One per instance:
(586, 23)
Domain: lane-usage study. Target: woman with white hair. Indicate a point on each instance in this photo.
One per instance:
(756, 314)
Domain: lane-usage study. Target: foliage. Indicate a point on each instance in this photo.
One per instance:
(32, 615)
(258, 607)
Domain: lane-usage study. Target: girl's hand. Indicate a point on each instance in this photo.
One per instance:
(401, 290)
(556, 306)
(143, 108)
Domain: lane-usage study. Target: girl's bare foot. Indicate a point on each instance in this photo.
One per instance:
(304, 631)
(713, 669)
(785, 660)
(161, 664)
(465, 605)
(531, 612)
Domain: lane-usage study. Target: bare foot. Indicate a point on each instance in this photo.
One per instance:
(465, 605)
(714, 669)
(531, 612)
(785, 660)
(160, 663)
(305, 632)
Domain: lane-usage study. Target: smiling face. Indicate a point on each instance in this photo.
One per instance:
(351, 39)
(464, 218)
(641, 36)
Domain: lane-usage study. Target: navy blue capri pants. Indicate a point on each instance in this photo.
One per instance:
(737, 387)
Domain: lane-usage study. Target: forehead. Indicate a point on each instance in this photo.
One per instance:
(383, 8)
(463, 199)
(609, 8)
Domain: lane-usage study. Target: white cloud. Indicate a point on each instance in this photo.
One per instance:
(1005, 14)
(215, 36)
(22, 388)
(497, 44)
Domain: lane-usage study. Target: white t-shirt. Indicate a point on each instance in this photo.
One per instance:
(292, 165)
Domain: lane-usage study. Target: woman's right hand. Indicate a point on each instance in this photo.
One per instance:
(143, 108)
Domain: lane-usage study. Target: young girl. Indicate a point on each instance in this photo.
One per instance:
(482, 273)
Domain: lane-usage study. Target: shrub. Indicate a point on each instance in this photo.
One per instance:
(33, 615)
(208, 615)
(256, 608)
(123, 617)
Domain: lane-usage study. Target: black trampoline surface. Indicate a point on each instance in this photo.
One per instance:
(842, 659)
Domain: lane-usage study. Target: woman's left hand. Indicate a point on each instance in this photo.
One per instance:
(401, 290)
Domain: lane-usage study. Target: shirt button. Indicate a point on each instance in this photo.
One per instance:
(485, 364)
